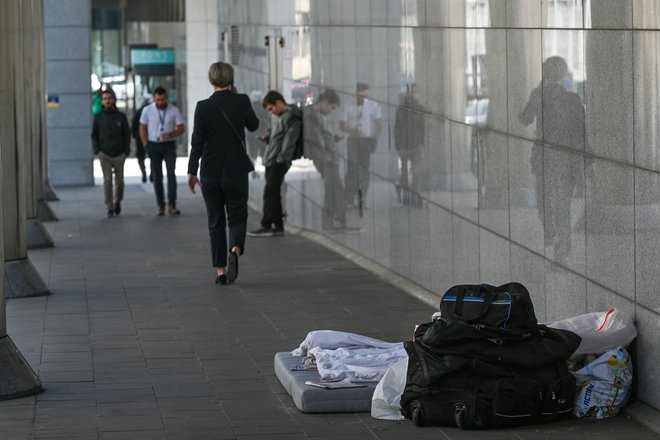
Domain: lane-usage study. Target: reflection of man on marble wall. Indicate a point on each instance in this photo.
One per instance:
(408, 140)
(362, 123)
(559, 116)
(320, 147)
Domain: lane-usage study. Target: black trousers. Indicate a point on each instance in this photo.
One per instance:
(228, 194)
(358, 152)
(273, 216)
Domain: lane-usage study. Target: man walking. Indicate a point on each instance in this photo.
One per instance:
(277, 160)
(111, 140)
(160, 124)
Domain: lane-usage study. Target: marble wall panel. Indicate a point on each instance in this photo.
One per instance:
(646, 116)
(441, 250)
(494, 258)
(609, 94)
(524, 60)
(602, 299)
(438, 135)
(647, 238)
(493, 170)
(523, 14)
(438, 86)
(420, 245)
(565, 293)
(464, 171)
(609, 14)
(562, 15)
(610, 220)
(465, 237)
(528, 268)
(648, 332)
(526, 194)
(564, 207)
(437, 13)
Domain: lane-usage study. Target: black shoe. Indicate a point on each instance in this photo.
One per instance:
(117, 208)
(221, 279)
(110, 213)
(261, 232)
(278, 232)
(144, 177)
(161, 210)
(172, 210)
(151, 177)
(232, 267)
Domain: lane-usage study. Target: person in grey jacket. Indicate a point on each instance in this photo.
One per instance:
(277, 160)
(111, 140)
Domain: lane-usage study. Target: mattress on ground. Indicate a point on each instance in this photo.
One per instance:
(312, 399)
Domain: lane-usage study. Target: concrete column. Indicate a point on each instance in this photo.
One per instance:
(44, 212)
(17, 379)
(21, 277)
(67, 29)
(202, 50)
(37, 235)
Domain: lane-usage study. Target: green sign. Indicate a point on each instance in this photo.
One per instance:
(152, 56)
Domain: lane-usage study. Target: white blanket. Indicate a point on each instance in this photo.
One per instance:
(341, 355)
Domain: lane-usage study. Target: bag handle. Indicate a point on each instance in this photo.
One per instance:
(222, 112)
(485, 305)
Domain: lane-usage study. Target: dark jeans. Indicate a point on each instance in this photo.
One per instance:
(157, 153)
(273, 216)
(334, 203)
(358, 152)
(141, 154)
(230, 193)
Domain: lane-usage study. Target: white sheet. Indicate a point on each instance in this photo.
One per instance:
(341, 355)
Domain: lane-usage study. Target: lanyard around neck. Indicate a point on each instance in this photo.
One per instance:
(161, 118)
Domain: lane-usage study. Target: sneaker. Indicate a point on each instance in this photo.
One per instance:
(278, 232)
(117, 208)
(110, 213)
(261, 232)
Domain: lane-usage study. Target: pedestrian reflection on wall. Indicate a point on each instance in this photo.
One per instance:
(409, 136)
(320, 147)
(362, 123)
(255, 146)
(559, 116)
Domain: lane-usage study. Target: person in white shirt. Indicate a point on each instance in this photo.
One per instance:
(362, 123)
(160, 124)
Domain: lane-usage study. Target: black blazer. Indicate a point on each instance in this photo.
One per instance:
(216, 142)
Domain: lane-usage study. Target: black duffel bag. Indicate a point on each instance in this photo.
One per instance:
(504, 312)
(474, 394)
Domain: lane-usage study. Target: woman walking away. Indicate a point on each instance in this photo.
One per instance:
(219, 140)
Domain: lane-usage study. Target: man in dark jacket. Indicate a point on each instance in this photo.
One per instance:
(111, 139)
(277, 160)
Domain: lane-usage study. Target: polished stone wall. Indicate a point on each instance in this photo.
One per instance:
(519, 142)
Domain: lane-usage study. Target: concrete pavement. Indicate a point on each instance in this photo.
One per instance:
(137, 342)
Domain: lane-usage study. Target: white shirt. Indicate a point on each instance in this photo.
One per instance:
(362, 117)
(158, 120)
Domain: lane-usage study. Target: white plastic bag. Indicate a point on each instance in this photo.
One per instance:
(604, 385)
(600, 331)
(386, 401)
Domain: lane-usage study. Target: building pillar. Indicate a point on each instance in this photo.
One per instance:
(202, 50)
(67, 29)
(21, 279)
(17, 379)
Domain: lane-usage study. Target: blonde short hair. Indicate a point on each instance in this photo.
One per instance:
(221, 74)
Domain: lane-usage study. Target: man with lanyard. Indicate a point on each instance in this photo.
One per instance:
(160, 124)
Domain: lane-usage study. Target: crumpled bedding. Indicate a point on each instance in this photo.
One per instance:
(349, 356)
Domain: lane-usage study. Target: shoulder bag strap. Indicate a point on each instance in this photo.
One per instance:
(222, 112)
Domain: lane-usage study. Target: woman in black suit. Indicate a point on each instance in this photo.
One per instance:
(219, 140)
